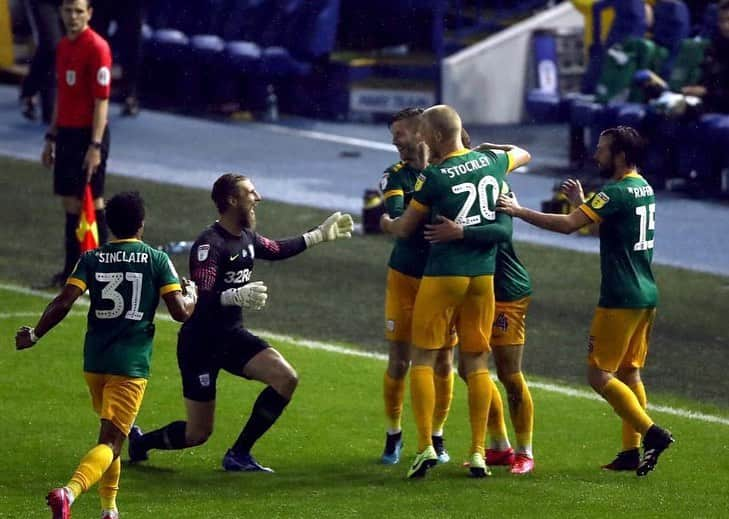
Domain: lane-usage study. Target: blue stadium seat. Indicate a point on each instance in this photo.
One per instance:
(631, 114)
(546, 107)
(671, 26)
(206, 51)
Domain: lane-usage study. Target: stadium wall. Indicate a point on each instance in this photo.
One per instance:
(485, 82)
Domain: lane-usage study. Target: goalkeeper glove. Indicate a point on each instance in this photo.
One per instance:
(252, 296)
(336, 227)
(189, 290)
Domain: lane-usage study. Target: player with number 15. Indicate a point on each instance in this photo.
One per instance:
(618, 342)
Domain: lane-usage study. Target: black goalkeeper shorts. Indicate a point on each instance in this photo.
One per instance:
(201, 355)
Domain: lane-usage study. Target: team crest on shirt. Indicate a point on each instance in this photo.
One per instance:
(383, 182)
(70, 77)
(420, 182)
(103, 76)
(390, 325)
(251, 250)
(599, 200)
(203, 251)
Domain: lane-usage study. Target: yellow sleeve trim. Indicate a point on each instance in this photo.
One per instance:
(393, 192)
(421, 208)
(172, 287)
(592, 215)
(509, 162)
(77, 283)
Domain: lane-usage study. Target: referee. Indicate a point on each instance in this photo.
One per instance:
(77, 142)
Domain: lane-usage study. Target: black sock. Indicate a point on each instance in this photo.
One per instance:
(73, 250)
(169, 437)
(268, 407)
(101, 226)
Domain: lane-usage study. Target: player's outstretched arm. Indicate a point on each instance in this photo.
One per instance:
(405, 225)
(562, 223)
(517, 156)
(572, 189)
(181, 304)
(446, 230)
(54, 313)
(336, 227)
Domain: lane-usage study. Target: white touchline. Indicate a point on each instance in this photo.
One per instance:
(329, 137)
(333, 348)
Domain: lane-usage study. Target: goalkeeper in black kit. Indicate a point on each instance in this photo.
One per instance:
(214, 338)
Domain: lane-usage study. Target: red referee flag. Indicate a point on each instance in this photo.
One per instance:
(87, 232)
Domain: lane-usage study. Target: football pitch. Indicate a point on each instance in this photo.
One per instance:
(326, 446)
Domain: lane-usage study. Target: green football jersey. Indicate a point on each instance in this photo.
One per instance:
(398, 185)
(125, 279)
(464, 188)
(626, 211)
(511, 279)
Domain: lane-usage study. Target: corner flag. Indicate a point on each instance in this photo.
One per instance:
(87, 232)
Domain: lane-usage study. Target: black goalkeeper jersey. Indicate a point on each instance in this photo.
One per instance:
(220, 260)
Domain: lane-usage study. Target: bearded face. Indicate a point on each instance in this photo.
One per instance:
(245, 203)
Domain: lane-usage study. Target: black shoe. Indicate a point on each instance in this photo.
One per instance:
(130, 107)
(625, 460)
(655, 441)
(393, 449)
(135, 450)
(440, 450)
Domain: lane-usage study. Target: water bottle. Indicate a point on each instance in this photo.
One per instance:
(176, 247)
(271, 105)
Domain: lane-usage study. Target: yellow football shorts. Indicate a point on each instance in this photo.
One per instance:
(443, 302)
(509, 327)
(400, 296)
(619, 337)
(116, 398)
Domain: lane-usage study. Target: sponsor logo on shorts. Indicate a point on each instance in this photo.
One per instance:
(204, 379)
(501, 322)
(203, 251)
(390, 325)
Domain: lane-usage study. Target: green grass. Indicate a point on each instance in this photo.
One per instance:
(336, 291)
(326, 446)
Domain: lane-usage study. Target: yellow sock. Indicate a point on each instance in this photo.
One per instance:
(499, 438)
(443, 398)
(109, 485)
(479, 399)
(521, 409)
(631, 438)
(394, 393)
(626, 405)
(422, 393)
(89, 471)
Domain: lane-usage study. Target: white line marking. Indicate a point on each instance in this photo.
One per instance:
(333, 348)
(329, 137)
